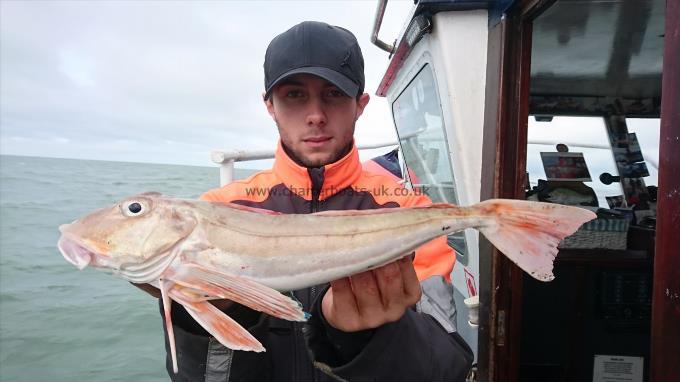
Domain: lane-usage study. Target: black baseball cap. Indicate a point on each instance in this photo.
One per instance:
(317, 48)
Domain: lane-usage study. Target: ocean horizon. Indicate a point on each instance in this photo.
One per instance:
(57, 322)
(208, 163)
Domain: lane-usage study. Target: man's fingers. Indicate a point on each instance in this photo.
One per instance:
(410, 280)
(391, 284)
(373, 298)
(367, 294)
(339, 301)
(342, 295)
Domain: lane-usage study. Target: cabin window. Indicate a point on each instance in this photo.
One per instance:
(588, 136)
(585, 135)
(420, 127)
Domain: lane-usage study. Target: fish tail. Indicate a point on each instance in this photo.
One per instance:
(528, 232)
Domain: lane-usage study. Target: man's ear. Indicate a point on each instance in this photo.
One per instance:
(361, 104)
(269, 105)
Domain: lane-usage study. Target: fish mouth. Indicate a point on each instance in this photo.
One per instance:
(74, 252)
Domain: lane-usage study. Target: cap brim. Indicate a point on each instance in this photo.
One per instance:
(343, 83)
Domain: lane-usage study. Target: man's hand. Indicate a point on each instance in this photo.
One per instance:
(373, 298)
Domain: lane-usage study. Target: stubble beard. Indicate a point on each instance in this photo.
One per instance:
(304, 162)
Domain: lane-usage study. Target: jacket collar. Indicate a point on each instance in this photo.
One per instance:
(336, 176)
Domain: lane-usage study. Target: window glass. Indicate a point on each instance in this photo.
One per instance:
(420, 126)
(587, 135)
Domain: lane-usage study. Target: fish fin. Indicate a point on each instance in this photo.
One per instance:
(241, 290)
(227, 331)
(528, 232)
(167, 304)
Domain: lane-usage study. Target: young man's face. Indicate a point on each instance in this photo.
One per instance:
(315, 119)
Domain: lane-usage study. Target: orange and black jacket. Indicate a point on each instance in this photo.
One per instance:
(421, 346)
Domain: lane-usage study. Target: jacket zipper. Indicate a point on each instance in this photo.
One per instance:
(314, 205)
(316, 175)
(317, 178)
(315, 202)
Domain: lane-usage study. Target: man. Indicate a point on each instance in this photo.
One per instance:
(362, 328)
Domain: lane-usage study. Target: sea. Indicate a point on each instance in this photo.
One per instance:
(61, 324)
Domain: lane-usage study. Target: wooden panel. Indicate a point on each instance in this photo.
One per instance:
(665, 344)
(504, 151)
(511, 153)
(486, 331)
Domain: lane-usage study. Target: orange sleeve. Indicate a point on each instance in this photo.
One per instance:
(223, 194)
(255, 188)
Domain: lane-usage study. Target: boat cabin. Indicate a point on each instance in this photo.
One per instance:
(560, 101)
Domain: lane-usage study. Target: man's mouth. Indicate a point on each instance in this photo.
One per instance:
(316, 141)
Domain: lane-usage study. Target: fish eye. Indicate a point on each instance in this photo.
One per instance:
(133, 208)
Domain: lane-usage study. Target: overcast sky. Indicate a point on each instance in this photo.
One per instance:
(159, 81)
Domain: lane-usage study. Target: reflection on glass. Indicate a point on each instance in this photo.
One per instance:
(420, 126)
(585, 135)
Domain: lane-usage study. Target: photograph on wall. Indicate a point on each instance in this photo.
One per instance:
(636, 193)
(634, 170)
(626, 149)
(619, 140)
(565, 166)
(617, 201)
(634, 152)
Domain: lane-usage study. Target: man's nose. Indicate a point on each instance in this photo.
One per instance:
(316, 115)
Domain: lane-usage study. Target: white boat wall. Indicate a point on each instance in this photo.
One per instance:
(437, 100)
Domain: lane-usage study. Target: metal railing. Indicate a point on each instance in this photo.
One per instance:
(226, 159)
(377, 22)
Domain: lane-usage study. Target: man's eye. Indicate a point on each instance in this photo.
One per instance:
(335, 93)
(294, 94)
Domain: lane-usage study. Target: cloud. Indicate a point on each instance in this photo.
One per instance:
(118, 80)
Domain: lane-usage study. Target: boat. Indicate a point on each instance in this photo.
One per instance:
(465, 81)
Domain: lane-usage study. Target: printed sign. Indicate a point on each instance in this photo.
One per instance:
(616, 368)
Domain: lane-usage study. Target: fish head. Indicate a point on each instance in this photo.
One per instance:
(133, 237)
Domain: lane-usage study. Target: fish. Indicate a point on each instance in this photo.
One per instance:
(195, 251)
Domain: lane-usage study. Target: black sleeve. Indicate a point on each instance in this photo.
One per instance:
(414, 348)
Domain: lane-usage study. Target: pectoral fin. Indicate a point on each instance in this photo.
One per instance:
(239, 289)
(221, 326)
(167, 304)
